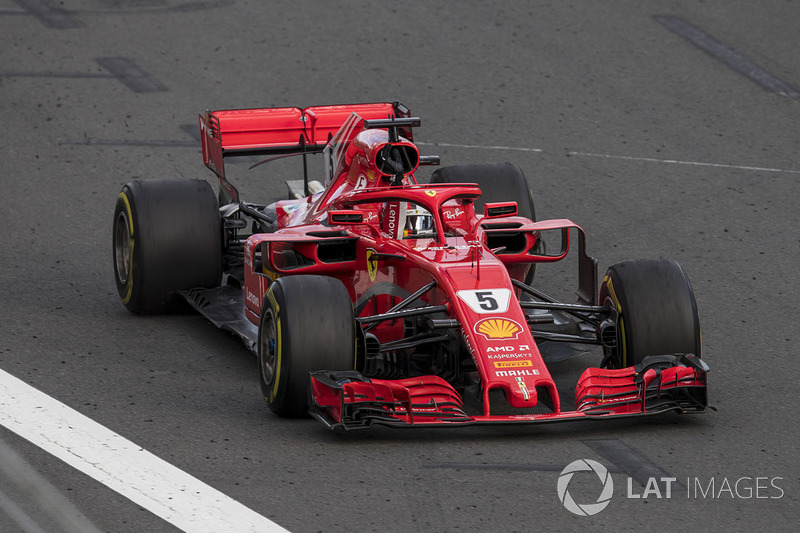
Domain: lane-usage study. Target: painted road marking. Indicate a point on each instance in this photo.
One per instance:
(194, 132)
(121, 465)
(690, 163)
(193, 144)
(451, 145)
(622, 157)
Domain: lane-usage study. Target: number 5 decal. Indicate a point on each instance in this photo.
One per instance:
(485, 301)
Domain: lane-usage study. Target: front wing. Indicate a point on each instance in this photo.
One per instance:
(659, 384)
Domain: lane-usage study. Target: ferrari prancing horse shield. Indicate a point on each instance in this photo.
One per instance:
(372, 264)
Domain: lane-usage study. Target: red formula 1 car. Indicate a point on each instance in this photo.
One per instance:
(374, 299)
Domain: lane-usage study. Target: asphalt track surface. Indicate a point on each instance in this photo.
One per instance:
(665, 129)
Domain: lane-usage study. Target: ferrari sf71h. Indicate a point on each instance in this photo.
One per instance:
(371, 298)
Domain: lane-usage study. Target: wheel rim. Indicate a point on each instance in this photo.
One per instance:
(269, 342)
(122, 248)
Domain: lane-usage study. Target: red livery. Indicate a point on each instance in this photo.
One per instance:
(371, 298)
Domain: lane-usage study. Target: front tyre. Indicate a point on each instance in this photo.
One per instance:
(307, 324)
(656, 311)
(166, 238)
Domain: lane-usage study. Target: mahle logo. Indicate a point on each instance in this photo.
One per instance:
(585, 509)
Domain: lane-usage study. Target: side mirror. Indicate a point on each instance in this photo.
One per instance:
(345, 217)
(500, 209)
(551, 244)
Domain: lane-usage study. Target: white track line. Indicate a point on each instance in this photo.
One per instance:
(128, 469)
(622, 157)
(450, 145)
(189, 144)
(678, 162)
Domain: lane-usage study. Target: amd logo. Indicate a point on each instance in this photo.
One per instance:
(506, 349)
(495, 349)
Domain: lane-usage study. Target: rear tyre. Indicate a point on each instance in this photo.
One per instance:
(656, 308)
(499, 182)
(166, 238)
(307, 324)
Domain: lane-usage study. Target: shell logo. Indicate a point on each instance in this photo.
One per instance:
(498, 328)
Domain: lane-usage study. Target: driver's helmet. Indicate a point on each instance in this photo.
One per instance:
(419, 223)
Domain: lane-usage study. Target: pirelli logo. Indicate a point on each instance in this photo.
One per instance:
(513, 364)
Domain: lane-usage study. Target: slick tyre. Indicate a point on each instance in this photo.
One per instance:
(499, 182)
(306, 324)
(656, 311)
(166, 238)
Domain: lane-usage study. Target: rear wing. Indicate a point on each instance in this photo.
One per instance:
(279, 130)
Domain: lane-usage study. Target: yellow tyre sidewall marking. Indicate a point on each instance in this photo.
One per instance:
(278, 349)
(125, 201)
(620, 320)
